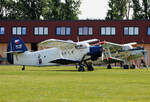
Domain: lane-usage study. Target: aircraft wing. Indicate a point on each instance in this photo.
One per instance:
(112, 47)
(63, 43)
(111, 51)
(57, 43)
(112, 60)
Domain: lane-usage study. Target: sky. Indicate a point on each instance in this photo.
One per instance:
(93, 9)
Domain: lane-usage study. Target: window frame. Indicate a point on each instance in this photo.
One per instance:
(85, 31)
(103, 31)
(2, 33)
(148, 30)
(41, 30)
(19, 30)
(63, 30)
(135, 30)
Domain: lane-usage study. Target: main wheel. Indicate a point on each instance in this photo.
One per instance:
(90, 67)
(81, 68)
(126, 66)
(132, 66)
(109, 66)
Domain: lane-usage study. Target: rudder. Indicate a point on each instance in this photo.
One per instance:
(16, 45)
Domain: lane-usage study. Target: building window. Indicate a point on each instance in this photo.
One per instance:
(131, 30)
(40, 30)
(148, 31)
(63, 30)
(19, 30)
(108, 30)
(2, 30)
(85, 31)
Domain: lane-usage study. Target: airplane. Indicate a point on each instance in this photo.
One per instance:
(60, 52)
(121, 53)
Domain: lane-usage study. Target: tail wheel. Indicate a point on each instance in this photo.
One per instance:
(23, 68)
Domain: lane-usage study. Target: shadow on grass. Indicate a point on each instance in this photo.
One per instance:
(55, 70)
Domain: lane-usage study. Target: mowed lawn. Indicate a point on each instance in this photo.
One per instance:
(65, 84)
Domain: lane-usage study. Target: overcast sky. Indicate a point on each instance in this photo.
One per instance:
(93, 9)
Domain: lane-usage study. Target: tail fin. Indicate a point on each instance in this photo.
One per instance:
(16, 45)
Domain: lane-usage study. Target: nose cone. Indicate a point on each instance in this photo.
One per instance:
(95, 52)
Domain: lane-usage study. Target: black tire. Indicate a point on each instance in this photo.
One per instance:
(126, 66)
(81, 68)
(132, 66)
(90, 67)
(23, 68)
(109, 66)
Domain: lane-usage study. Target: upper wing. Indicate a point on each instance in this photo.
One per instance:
(63, 44)
(57, 43)
(90, 41)
(113, 47)
(111, 52)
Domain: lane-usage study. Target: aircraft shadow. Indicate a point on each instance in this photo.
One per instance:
(56, 70)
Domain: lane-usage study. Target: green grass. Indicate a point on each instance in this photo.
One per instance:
(65, 84)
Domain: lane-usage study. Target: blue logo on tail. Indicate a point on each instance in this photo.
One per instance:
(16, 45)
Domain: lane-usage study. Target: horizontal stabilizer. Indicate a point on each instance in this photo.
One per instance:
(113, 60)
(13, 52)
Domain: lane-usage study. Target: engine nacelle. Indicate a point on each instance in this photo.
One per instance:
(95, 52)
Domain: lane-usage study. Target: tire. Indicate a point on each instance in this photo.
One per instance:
(109, 66)
(90, 67)
(126, 66)
(132, 66)
(81, 68)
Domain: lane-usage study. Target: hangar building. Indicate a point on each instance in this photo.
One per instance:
(117, 31)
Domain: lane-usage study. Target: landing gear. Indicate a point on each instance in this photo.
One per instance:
(90, 67)
(109, 66)
(23, 68)
(125, 66)
(81, 68)
(132, 66)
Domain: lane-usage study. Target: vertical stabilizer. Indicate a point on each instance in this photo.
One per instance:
(16, 45)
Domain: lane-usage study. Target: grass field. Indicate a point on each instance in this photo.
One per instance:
(65, 84)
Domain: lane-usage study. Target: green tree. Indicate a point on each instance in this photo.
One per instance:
(29, 9)
(57, 10)
(117, 10)
(146, 9)
(71, 9)
(51, 10)
(7, 9)
(137, 10)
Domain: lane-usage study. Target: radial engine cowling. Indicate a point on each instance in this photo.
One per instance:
(95, 52)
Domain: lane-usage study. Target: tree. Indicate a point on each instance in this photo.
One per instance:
(57, 10)
(1, 9)
(71, 9)
(137, 10)
(146, 9)
(39, 9)
(29, 9)
(7, 9)
(128, 9)
(117, 10)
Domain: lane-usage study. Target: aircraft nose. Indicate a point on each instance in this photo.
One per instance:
(95, 52)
